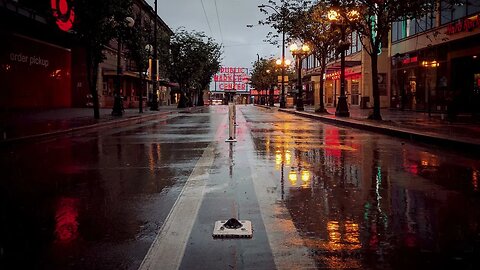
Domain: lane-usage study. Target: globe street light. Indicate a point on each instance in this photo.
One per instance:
(117, 109)
(336, 19)
(282, 96)
(299, 52)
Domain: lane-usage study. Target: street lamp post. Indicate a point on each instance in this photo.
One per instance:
(299, 53)
(283, 63)
(282, 96)
(335, 18)
(117, 109)
(154, 102)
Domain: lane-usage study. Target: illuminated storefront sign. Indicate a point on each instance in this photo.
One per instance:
(63, 12)
(34, 74)
(232, 79)
(464, 25)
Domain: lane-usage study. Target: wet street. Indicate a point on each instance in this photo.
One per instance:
(319, 196)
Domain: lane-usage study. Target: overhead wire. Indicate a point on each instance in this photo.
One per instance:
(206, 17)
(218, 20)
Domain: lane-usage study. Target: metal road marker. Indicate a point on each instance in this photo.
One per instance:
(232, 228)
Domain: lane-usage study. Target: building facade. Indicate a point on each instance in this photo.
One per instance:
(43, 67)
(358, 80)
(435, 60)
(132, 82)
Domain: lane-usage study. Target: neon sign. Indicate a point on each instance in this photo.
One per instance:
(63, 12)
(232, 79)
(465, 25)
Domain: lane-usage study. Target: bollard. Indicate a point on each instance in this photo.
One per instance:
(234, 115)
(231, 122)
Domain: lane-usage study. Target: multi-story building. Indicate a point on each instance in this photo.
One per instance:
(41, 65)
(131, 83)
(431, 64)
(435, 60)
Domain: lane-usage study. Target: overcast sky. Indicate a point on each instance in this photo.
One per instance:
(240, 43)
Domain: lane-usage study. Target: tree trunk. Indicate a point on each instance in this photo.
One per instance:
(322, 109)
(92, 74)
(140, 93)
(376, 93)
(182, 103)
(200, 101)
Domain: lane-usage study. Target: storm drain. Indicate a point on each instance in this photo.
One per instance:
(232, 228)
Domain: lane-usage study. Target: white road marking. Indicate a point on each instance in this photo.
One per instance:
(168, 248)
(288, 248)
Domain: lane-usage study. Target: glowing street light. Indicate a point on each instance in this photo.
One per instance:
(299, 52)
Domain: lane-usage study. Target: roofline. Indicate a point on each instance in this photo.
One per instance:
(150, 9)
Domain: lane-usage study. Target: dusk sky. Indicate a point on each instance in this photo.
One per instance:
(240, 43)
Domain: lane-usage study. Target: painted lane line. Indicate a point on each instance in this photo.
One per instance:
(287, 246)
(168, 248)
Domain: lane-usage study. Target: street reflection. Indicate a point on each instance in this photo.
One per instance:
(363, 202)
(66, 220)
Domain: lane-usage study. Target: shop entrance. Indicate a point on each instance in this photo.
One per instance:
(465, 72)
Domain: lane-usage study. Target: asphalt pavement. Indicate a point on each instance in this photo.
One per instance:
(462, 134)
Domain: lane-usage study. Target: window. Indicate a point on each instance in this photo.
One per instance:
(446, 12)
(395, 31)
(412, 27)
(473, 6)
(460, 11)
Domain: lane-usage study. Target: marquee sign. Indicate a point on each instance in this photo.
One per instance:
(232, 79)
(63, 12)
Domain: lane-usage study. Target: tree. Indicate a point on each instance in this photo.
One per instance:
(372, 19)
(97, 23)
(136, 43)
(211, 65)
(309, 23)
(305, 21)
(263, 74)
(195, 58)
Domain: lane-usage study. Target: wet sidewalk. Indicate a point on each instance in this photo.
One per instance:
(28, 124)
(464, 133)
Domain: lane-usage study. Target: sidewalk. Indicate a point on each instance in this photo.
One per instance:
(463, 134)
(23, 125)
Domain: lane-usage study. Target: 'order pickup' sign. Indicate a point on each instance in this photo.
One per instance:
(232, 79)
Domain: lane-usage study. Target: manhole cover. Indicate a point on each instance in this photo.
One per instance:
(232, 228)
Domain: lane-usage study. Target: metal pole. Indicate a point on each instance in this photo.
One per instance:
(117, 109)
(154, 104)
(299, 84)
(282, 96)
(342, 108)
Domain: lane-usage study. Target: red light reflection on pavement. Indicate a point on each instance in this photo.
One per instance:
(66, 216)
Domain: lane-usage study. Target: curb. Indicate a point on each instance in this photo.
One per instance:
(404, 133)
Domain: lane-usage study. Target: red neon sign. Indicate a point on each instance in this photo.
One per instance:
(63, 12)
(410, 60)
